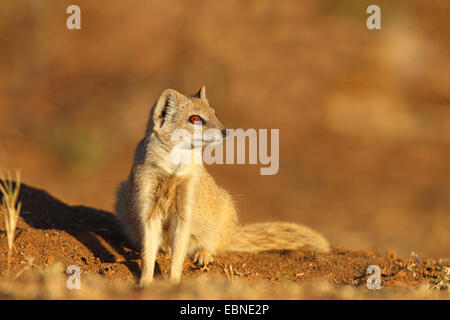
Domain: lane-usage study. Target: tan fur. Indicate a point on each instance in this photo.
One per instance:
(180, 208)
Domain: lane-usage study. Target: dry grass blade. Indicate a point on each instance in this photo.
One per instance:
(11, 209)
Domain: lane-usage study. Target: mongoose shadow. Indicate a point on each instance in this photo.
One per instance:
(42, 211)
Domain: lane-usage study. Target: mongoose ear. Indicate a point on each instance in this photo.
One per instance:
(201, 93)
(163, 107)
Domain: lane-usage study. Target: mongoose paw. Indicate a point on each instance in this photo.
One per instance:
(202, 258)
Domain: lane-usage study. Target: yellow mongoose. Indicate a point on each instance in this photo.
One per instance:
(179, 207)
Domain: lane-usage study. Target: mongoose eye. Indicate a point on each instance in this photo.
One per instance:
(196, 119)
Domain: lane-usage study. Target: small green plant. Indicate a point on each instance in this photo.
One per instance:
(11, 209)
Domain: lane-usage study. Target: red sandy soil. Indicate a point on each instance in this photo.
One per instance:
(49, 230)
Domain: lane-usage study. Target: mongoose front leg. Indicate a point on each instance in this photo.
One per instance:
(181, 236)
(151, 241)
(151, 229)
(181, 230)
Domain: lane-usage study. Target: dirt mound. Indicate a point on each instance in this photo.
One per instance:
(49, 231)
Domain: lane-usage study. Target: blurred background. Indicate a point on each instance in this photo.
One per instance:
(364, 115)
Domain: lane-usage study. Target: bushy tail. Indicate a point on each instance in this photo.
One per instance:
(277, 236)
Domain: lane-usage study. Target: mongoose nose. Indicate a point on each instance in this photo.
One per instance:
(225, 133)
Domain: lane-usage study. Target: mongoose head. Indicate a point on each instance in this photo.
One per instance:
(174, 113)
